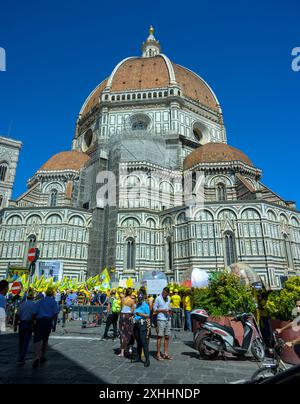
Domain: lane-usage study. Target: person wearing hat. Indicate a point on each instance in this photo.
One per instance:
(24, 319)
(46, 309)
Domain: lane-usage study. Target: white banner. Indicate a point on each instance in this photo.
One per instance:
(155, 286)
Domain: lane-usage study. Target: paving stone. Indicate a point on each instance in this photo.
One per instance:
(91, 361)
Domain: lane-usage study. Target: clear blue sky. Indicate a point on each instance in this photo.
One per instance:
(58, 51)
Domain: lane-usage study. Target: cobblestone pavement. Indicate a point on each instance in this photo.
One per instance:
(78, 356)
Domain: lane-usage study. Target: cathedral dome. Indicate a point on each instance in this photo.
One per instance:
(215, 153)
(153, 70)
(67, 160)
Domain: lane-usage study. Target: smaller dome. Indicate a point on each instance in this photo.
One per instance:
(215, 153)
(67, 160)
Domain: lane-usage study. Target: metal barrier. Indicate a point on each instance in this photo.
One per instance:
(177, 321)
(85, 312)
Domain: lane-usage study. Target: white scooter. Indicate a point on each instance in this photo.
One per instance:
(212, 338)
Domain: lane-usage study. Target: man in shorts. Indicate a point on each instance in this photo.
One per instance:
(162, 307)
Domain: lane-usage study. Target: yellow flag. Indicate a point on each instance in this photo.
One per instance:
(129, 283)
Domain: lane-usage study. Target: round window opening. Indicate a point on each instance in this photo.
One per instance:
(87, 140)
(139, 125)
(140, 122)
(197, 134)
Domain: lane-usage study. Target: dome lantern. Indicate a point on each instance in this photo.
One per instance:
(151, 47)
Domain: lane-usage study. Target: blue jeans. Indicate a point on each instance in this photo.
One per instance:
(188, 321)
(25, 332)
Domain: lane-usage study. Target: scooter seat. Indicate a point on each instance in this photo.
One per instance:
(224, 327)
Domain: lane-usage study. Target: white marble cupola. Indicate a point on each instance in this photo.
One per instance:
(151, 47)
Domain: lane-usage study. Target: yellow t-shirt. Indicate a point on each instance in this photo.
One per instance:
(175, 301)
(187, 303)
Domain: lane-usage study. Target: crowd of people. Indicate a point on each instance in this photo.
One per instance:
(131, 314)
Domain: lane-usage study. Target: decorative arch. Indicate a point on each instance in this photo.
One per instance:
(227, 214)
(181, 218)
(250, 214)
(204, 215)
(283, 218)
(76, 220)
(53, 185)
(131, 181)
(271, 215)
(166, 186)
(295, 221)
(130, 222)
(220, 178)
(53, 219)
(150, 223)
(12, 218)
(167, 221)
(31, 218)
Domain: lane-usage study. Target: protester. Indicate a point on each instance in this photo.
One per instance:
(24, 319)
(71, 301)
(162, 306)
(151, 303)
(3, 292)
(103, 302)
(141, 315)
(113, 310)
(176, 310)
(187, 307)
(45, 311)
(126, 321)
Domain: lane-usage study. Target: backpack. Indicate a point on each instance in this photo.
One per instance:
(116, 306)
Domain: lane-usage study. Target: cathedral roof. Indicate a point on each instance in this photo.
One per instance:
(153, 70)
(67, 160)
(215, 153)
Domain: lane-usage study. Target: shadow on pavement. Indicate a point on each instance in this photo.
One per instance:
(59, 369)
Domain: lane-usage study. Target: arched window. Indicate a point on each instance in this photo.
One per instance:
(130, 264)
(181, 218)
(167, 222)
(230, 248)
(288, 252)
(1, 200)
(169, 253)
(53, 198)
(3, 171)
(221, 192)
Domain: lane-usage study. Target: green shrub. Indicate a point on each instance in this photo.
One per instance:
(281, 303)
(225, 295)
